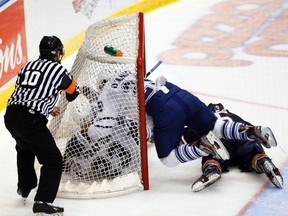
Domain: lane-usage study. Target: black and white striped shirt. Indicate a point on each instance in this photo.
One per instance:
(38, 85)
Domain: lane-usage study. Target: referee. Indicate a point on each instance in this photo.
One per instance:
(36, 92)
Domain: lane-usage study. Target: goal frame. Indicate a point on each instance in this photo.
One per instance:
(140, 181)
(141, 71)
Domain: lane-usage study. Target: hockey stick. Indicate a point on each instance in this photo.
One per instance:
(153, 68)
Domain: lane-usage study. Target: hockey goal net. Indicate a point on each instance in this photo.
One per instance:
(102, 134)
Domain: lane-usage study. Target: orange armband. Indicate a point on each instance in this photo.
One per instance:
(72, 87)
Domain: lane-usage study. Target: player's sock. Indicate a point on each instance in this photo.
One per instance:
(187, 152)
(149, 134)
(232, 130)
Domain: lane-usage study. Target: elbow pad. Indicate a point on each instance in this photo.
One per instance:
(68, 84)
(70, 87)
(71, 97)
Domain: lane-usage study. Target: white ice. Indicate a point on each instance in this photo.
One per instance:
(256, 92)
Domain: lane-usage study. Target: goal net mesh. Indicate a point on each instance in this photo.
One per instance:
(99, 132)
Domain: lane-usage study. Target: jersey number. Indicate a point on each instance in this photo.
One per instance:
(31, 78)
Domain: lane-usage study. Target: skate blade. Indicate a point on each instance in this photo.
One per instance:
(199, 185)
(277, 180)
(53, 214)
(24, 201)
(218, 146)
(268, 134)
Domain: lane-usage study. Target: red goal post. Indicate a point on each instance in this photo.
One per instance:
(102, 134)
(141, 68)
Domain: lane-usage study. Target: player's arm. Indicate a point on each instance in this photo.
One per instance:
(69, 85)
(90, 93)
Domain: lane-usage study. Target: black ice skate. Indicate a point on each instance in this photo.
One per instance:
(24, 194)
(210, 176)
(262, 134)
(213, 145)
(41, 208)
(265, 165)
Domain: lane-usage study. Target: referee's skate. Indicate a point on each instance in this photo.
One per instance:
(43, 208)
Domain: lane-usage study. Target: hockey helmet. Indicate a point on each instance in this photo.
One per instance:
(49, 46)
(81, 111)
(216, 107)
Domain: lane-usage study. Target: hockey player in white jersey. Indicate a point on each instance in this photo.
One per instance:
(103, 147)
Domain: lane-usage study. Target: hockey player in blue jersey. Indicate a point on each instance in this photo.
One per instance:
(172, 108)
(248, 155)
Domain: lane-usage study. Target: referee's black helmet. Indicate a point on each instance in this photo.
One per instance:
(49, 46)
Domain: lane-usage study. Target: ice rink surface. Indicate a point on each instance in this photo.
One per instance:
(247, 76)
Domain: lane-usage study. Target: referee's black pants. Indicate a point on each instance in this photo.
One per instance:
(33, 138)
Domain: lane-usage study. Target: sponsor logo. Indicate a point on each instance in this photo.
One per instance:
(85, 7)
(254, 27)
(11, 56)
(13, 48)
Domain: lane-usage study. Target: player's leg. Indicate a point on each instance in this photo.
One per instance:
(43, 145)
(211, 169)
(263, 164)
(213, 145)
(167, 136)
(15, 122)
(261, 134)
(50, 158)
(240, 131)
(169, 125)
(209, 143)
(27, 178)
(186, 152)
(252, 157)
(182, 154)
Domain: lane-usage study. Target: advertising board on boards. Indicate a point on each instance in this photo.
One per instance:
(13, 47)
